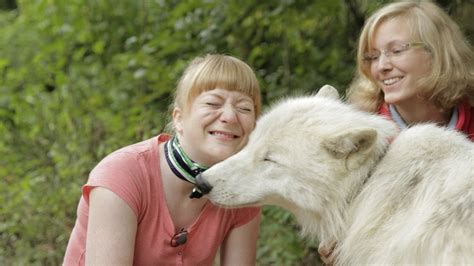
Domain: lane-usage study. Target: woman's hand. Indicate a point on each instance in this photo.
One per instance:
(326, 252)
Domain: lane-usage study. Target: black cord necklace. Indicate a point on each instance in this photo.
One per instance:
(182, 166)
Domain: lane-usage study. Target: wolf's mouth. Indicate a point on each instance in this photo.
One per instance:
(234, 206)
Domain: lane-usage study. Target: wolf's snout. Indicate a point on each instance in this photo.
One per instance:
(203, 185)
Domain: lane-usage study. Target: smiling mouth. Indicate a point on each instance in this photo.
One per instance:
(224, 134)
(391, 81)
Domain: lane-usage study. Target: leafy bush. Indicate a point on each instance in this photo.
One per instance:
(79, 79)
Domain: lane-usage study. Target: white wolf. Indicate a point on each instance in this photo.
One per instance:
(409, 202)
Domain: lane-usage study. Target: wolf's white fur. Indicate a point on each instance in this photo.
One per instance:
(332, 166)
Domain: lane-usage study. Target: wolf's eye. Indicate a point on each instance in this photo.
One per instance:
(272, 162)
(268, 160)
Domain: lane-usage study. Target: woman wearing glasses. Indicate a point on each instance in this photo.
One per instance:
(414, 65)
(140, 206)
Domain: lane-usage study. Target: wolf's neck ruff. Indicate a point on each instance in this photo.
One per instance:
(182, 166)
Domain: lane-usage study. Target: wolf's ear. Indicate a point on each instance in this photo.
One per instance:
(328, 91)
(351, 142)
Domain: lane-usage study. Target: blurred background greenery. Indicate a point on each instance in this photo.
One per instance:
(79, 79)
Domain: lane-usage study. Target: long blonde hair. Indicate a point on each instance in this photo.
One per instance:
(452, 75)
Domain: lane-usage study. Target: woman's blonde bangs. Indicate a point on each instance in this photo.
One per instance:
(228, 73)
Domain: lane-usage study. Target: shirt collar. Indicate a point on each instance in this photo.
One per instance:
(402, 125)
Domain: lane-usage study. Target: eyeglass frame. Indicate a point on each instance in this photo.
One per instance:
(390, 53)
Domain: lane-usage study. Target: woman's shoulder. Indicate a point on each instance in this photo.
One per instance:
(137, 148)
(131, 160)
(128, 172)
(133, 152)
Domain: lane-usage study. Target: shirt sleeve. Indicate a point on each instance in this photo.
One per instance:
(246, 215)
(120, 173)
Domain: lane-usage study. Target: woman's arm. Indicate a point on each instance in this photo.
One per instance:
(240, 246)
(111, 229)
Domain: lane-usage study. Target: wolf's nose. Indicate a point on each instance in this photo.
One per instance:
(202, 184)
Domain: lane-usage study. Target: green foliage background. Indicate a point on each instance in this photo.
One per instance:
(79, 79)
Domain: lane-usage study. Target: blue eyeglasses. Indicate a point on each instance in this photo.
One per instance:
(394, 50)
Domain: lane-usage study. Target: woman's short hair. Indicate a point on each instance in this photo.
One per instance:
(217, 71)
(452, 58)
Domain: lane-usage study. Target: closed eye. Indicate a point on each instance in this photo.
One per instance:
(212, 103)
(244, 109)
(269, 160)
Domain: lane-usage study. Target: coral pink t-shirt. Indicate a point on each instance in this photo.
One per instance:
(133, 173)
